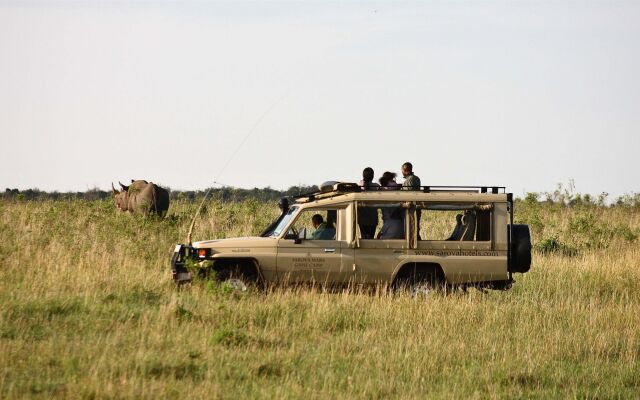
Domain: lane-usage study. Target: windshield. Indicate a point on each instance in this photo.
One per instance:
(284, 222)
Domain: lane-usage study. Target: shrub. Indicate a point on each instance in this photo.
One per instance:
(554, 245)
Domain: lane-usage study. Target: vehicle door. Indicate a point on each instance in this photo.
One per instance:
(312, 249)
(377, 257)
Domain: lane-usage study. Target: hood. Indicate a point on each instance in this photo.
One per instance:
(252, 241)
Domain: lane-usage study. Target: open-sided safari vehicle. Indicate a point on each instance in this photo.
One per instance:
(459, 235)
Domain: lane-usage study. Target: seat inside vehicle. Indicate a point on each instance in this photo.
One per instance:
(469, 226)
(457, 230)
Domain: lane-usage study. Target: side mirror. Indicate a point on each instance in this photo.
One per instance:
(291, 235)
(301, 236)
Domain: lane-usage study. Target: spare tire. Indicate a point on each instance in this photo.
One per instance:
(520, 249)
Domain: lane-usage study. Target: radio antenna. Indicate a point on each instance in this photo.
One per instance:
(193, 220)
(226, 164)
(253, 128)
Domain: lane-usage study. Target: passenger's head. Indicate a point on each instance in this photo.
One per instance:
(316, 220)
(407, 169)
(387, 178)
(367, 174)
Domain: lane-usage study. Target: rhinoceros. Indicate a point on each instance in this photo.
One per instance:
(141, 196)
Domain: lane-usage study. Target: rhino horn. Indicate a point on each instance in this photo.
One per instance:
(113, 188)
(125, 188)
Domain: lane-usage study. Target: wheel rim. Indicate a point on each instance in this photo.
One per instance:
(420, 289)
(236, 284)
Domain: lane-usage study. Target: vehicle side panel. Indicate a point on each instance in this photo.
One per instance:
(375, 259)
(310, 261)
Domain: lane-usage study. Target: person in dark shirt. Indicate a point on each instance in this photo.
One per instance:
(392, 217)
(368, 216)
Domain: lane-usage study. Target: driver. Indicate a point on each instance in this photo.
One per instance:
(322, 230)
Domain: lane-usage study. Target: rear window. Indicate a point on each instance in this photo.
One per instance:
(455, 222)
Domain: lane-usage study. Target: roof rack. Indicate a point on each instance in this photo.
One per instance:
(339, 188)
(472, 189)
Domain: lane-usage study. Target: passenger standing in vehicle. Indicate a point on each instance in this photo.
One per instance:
(368, 216)
(392, 222)
(411, 182)
(367, 182)
(388, 181)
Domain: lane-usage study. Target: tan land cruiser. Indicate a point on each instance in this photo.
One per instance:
(422, 238)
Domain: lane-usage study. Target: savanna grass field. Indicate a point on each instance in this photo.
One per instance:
(88, 309)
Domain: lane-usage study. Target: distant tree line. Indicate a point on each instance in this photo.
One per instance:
(563, 195)
(223, 194)
(566, 195)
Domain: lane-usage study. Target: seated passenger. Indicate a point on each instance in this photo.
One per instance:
(392, 223)
(322, 230)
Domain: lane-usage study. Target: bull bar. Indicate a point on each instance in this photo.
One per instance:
(180, 272)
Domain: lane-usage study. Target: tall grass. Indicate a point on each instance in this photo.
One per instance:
(88, 310)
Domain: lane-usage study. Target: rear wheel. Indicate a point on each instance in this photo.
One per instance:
(418, 284)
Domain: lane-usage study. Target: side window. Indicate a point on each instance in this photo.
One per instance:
(455, 222)
(315, 224)
(381, 220)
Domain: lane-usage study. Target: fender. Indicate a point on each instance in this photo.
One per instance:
(413, 260)
(230, 257)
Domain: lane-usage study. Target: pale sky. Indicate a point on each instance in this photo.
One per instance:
(518, 94)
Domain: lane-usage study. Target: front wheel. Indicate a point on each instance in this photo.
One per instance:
(237, 277)
(237, 284)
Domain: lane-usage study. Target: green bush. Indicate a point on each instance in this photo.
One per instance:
(553, 245)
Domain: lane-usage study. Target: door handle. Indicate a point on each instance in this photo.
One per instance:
(329, 250)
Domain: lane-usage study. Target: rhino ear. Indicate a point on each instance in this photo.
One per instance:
(132, 181)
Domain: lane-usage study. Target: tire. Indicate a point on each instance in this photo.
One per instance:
(418, 284)
(238, 278)
(520, 248)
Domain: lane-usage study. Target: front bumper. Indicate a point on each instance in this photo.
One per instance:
(180, 272)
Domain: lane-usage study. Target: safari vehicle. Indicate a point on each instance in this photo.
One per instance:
(448, 236)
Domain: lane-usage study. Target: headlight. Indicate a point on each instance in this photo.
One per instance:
(203, 253)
